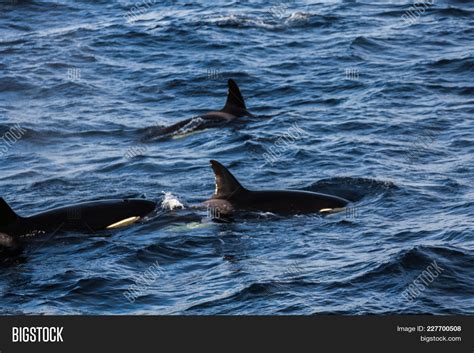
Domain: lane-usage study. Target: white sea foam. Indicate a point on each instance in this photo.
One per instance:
(171, 202)
(191, 126)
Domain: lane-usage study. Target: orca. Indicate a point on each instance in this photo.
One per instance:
(231, 197)
(88, 216)
(234, 108)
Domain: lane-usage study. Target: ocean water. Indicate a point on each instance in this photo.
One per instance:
(383, 104)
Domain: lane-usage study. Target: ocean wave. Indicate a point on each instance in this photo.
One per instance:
(353, 189)
(409, 263)
(456, 65)
(295, 19)
(367, 43)
(15, 84)
(453, 11)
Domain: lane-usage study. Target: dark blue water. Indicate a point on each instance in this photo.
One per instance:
(387, 110)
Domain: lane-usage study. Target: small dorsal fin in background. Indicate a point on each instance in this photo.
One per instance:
(226, 184)
(235, 103)
(7, 215)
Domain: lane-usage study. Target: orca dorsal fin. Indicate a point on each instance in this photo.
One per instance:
(235, 103)
(7, 215)
(226, 184)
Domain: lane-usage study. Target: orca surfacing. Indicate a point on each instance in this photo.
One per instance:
(234, 108)
(230, 196)
(87, 216)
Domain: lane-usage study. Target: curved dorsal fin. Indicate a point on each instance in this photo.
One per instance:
(7, 215)
(226, 184)
(235, 103)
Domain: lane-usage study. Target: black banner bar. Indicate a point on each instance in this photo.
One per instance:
(314, 333)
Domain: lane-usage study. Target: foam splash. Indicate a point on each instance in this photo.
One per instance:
(274, 17)
(191, 126)
(171, 202)
(298, 17)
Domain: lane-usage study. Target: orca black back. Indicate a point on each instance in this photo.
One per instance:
(230, 196)
(86, 216)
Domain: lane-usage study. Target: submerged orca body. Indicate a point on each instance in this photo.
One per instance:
(234, 108)
(230, 197)
(88, 216)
